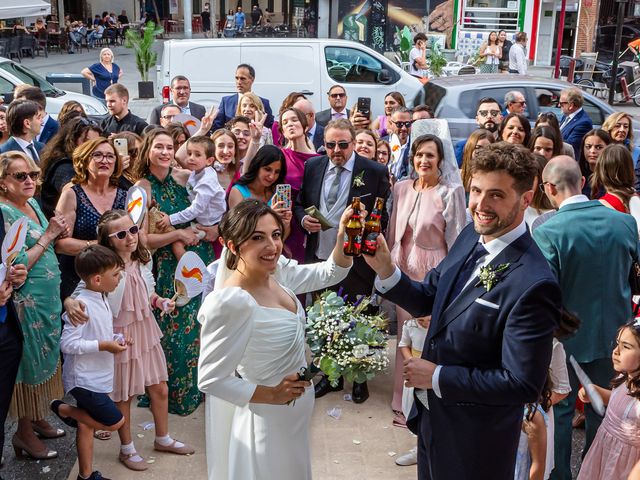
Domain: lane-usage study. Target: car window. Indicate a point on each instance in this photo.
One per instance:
(593, 110)
(548, 99)
(349, 65)
(468, 102)
(6, 89)
(499, 93)
(27, 76)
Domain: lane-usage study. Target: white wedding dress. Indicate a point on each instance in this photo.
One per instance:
(250, 441)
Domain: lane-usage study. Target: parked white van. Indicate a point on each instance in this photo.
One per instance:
(13, 74)
(284, 65)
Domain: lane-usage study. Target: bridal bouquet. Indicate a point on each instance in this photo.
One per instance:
(344, 341)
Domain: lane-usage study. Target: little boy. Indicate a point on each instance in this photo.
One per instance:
(207, 197)
(88, 361)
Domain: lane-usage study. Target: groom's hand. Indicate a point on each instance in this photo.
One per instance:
(419, 373)
(381, 262)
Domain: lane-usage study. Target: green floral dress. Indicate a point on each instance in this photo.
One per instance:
(38, 305)
(181, 330)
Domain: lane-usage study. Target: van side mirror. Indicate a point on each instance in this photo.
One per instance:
(384, 76)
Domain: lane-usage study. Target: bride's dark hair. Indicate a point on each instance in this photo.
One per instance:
(239, 223)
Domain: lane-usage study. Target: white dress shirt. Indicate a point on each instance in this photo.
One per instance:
(23, 145)
(207, 199)
(493, 247)
(85, 366)
(518, 59)
(574, 199)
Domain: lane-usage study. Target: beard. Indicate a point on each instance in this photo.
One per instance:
(499, 224)
(491, 126)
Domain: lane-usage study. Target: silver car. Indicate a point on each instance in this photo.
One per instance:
(456, 98)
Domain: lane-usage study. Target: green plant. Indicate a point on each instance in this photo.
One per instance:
(436, 59)
(404, 40)
(143, 47)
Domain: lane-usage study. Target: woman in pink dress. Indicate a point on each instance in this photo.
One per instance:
(428, 214)
(297, 150)
(616, 448)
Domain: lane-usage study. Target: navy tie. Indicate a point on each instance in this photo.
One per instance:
(467, 269)
(3, 313)
(34, 154)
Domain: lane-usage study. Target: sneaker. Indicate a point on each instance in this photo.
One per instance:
(94, 476)
(409, 458)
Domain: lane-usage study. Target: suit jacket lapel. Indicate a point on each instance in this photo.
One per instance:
(359, 170)
(316, 191)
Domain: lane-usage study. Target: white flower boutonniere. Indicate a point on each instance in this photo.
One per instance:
(358, 181)
(489, 275)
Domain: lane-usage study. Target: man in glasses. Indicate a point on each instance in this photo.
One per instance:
(337, 96)
(514, 102)
(49, 126)
(329, 183)
(400, 125)
(488, 116)
(24, 119)
(121, 118)
(168, 113)
(180, 95)
(245, 76)
(575, 122)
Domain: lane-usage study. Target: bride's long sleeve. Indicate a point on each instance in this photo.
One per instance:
(309, 277)
(226, 318)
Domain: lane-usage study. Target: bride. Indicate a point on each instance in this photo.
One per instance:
(252, 348)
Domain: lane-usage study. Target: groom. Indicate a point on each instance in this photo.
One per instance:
(494, 304)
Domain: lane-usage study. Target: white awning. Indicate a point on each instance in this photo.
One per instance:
(23, 8)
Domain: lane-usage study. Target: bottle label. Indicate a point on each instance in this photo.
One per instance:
(371, 242)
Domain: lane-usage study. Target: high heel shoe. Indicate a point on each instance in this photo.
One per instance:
(49, 432)
(21, 448)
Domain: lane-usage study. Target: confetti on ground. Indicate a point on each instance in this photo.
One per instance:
(347, 397)
(146, 425)
(151, 460)
(335, 412)
(336, 461)
(139, 435)
(46, 469)
(357, 442)
(392, 454)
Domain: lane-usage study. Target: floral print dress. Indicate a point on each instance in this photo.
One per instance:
(180, 329)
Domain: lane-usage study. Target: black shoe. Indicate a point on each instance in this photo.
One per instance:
(55, 408)
(324, 386)
(94, 476)
(360, 392)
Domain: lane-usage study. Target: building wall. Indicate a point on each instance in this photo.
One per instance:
(587, 23)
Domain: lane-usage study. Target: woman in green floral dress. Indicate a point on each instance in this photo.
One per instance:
(38, 305)
(181, 330)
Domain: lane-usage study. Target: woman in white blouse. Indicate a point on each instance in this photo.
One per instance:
(252, 348)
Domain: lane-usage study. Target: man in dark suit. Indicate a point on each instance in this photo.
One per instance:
(494, 304)
(245, 76)
(24, 119)
(315, 132)
(582, 238)
(49, 126)
(10, 336)
(330, 182)
(180, 94)
(337, 96)
(400, 125)
(575, 121)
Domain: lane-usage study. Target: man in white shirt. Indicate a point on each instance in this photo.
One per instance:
(494, 304)
(518, 55)
(24, 120)
(337, 96)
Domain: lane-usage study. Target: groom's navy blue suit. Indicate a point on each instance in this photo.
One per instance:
(494, 354)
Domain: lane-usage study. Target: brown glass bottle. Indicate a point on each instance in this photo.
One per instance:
(353, 243)
(372, 229)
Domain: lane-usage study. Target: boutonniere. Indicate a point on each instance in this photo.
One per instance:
(358, 181)
(489, 275)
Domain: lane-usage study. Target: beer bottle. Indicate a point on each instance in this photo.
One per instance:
(372, 228)
(353, 242)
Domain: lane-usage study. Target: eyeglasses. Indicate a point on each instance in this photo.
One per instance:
(337, 95)
(406, 124)
(563, 103)
(181, 89)
(109, 157)
(168, 117)
(22, 176)
(523, 102)
(133, 230)
(542, 184)
(241, 133)
(488, 113)
(341, 145)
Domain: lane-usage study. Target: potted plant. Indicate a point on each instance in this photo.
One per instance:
(145, 56)
(436, 60)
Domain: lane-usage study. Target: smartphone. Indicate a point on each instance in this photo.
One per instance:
(121, 146)
(364, 105)
(283, 194)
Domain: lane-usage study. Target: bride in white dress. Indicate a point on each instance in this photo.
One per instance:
(253, 345)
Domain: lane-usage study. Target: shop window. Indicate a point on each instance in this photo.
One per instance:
(489, 15)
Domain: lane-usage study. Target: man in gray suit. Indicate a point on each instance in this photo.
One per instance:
(590, 249)
(180, 94)
(338, 101)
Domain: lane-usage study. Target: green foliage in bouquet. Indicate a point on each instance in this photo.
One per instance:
(344, 341)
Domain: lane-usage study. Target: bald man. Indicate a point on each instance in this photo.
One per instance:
(316, 131)
(590, 248)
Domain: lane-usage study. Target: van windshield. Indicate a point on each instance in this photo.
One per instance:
(32, 78)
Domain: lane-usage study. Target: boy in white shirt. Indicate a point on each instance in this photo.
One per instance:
(208, 202)
(88, 351)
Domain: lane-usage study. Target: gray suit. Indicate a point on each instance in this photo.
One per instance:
(324, 117)
(196, 109)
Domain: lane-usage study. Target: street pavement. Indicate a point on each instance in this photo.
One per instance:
(361, 444)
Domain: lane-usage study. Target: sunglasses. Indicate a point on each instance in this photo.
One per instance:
(85, 122)
(341, 145)
(22, 176)
(521, 103)
(338, 95)
(488, 113)
(406, 124)
(133, 230)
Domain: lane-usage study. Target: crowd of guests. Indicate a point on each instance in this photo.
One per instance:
(70, 181)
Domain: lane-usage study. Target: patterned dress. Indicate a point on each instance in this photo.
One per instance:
(38, 305)
(180, 329)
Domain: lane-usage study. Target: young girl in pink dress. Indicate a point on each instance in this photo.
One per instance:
(143, 365)
(616, 447)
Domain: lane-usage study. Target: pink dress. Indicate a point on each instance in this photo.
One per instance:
(143, 363)
(616, 448)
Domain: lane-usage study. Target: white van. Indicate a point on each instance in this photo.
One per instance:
(284, 65)
(13, 74)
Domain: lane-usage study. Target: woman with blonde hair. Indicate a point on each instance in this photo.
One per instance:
(37, 302)
(250, 105)
(619, 125)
